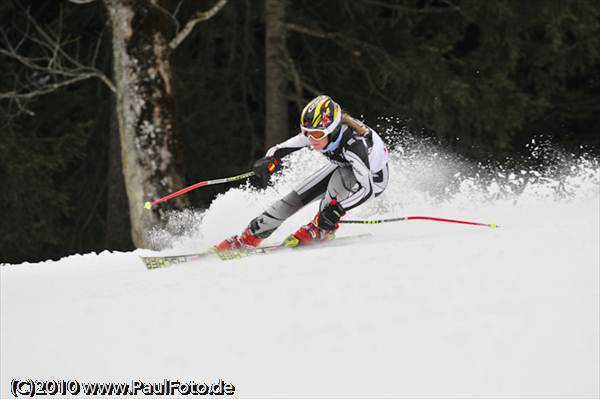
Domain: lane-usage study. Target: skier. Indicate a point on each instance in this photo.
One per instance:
(358, 172)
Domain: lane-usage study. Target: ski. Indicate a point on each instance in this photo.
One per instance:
(157, 262)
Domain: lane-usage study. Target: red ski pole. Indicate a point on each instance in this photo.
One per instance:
(399, 219)
(149, 205)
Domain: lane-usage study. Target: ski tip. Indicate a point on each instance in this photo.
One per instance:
(493, 225)
(148, 205)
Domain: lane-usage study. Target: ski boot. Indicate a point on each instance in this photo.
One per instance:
(307, 235)
(238, 243)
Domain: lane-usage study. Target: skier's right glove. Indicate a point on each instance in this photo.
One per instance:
(330, 215)
(263, 169)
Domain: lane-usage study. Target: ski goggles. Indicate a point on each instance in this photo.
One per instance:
(314, 134)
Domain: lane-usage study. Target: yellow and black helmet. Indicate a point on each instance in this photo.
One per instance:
(321, 114)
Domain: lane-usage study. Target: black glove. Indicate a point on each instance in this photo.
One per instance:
(330, 216)
(263, 169)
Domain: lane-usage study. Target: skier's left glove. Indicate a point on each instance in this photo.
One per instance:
(263, 169)
(330, 215)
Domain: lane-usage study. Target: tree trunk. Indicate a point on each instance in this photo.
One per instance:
(151, 155)
(118, 226)
(276, 119)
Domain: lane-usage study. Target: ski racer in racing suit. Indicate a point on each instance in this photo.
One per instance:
(358, 172)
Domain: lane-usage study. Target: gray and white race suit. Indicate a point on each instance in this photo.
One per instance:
(358, 171)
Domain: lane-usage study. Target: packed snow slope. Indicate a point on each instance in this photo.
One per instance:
(418, 309)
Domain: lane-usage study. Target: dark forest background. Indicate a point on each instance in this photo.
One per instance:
(481, 77)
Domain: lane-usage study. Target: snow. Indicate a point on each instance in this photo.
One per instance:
(418, 309)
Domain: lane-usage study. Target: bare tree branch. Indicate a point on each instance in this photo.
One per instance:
(177, 9)
(167, 14)
(198, 17)
(98, 43)
(351, 45)
(346, 42)
(77, 74)
(53, 69)
(48, 88)
(52, 43)
(310, 32)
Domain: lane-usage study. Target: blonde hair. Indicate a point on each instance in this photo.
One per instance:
(354, 124)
